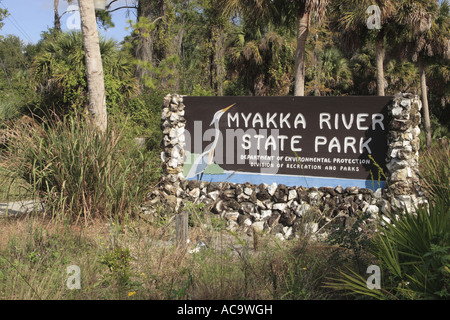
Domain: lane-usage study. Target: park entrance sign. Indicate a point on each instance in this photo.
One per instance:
(309, 141)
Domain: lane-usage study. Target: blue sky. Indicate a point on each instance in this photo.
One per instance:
(29, 18)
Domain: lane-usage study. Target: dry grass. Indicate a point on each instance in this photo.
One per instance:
(35, 252)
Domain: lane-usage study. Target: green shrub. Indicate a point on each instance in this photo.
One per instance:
(59, 74)
(118, 262)
(413, 253)
(76, 170)
(435, 171)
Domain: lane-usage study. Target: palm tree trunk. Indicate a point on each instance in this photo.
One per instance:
(94, 67)
(57, 20)
(217, 64)
(144, 48)
(302, 37)
(426, 112)
(379, 51)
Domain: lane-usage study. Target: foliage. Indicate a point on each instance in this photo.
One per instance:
(77, 171)
(118, 261)
(59, 73)
(435, 171)
(355, 235)
(263, 61)
(413, 253)
(3, 14)
(15, 82)
(141, 118)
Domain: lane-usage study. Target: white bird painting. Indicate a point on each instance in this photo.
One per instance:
(206, 158)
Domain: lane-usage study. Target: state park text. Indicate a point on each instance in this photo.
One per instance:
(262, 133)
(252, 134)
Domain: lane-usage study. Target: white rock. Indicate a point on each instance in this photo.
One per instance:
(394, 153)
(266, 214)
(256, 216)
(378, 193)
(213, 194)
(260, 204)
(232, 225)
(311, 227)
(302, 209)
(176, 132)
(292, 194)
(175, 154)
(314, 196)
(268, 204)
(272, 188)
(279, 236)
(365, 206)
(164, 113)
(281, 206)
(195, 192)
(179, 192)
(173, 163)
(373, 210)
(174, 117)
(293, 204)
(406, 102)
(177, 99)
(231, 215)
(386, 219)
(248, 191)
(287, 232)
(416, 131)
(199, 247)
(242, 197)
(396, 111)
(258, 226)
(247, 222)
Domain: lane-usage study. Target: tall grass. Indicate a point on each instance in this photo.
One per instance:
(413, 251)
(77, 171)
(435, 171)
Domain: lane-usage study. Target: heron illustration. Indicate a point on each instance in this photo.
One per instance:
(205, 159)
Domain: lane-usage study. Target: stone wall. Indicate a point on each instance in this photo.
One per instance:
(403, 152)
(285, 210)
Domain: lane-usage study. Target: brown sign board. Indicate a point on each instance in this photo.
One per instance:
(331, 140)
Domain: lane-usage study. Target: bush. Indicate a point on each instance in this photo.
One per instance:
(435, 171)
(59, 75)
(413, 253)
(76, 170)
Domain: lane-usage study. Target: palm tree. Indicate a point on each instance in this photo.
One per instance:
(94, 67)
(305, 9)
(350, 18)
(59, 73)
(284, 13)
(402, 76)
(331, 74)
(262, 61)
(57, 18)
(428, 33)
(149, 13)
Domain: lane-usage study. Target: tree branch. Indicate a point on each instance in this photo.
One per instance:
(124, 7)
